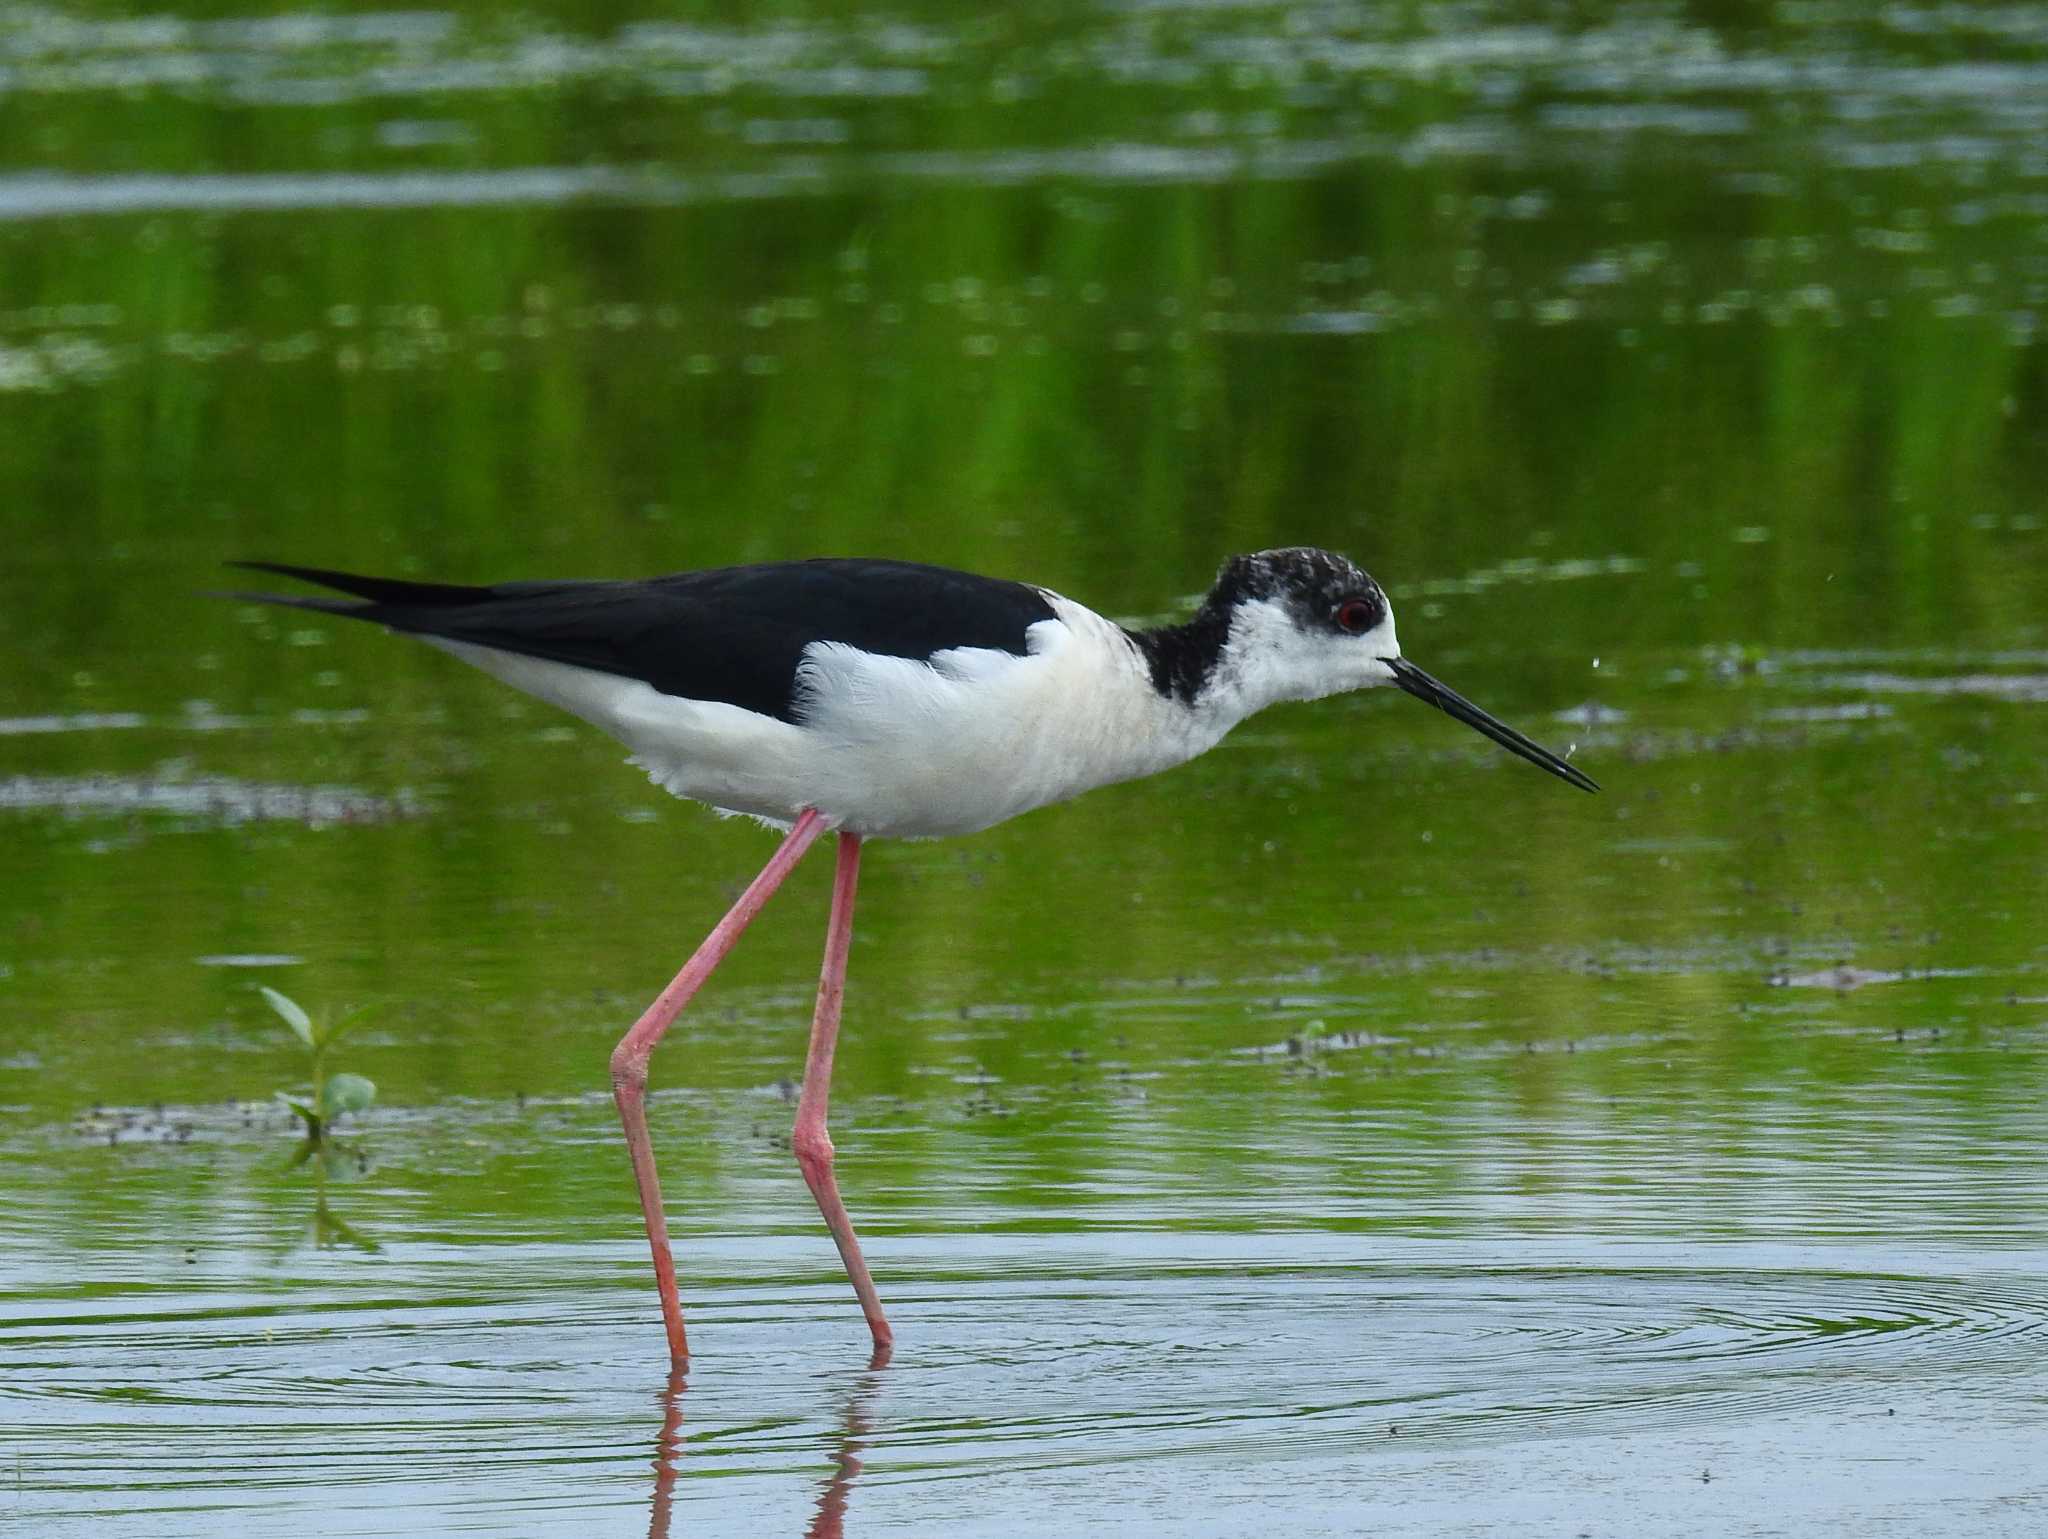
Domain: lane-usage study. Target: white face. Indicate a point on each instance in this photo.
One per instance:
(1276, 652)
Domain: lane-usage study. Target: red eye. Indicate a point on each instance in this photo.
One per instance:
(1355, 615)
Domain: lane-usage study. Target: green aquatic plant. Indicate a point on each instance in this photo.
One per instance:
(333, 1095)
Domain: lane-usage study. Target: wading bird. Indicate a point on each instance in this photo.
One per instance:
(884, 699)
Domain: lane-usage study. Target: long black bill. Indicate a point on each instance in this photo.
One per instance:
(1452, 704)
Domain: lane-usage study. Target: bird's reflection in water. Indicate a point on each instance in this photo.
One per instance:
(668, 1450)
(856, 1426)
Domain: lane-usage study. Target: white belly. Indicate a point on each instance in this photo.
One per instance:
(893, 747)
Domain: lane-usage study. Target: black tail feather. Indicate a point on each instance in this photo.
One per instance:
(377, 590)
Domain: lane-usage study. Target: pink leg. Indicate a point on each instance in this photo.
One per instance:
(813, 1144)
(629, 1058)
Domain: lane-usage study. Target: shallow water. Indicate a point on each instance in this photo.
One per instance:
(1355, 1130)
(1816, 1306)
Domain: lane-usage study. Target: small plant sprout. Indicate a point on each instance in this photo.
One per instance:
(334, 1095)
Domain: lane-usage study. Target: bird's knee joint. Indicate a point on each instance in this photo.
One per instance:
(629, 1069)
(813, 1148)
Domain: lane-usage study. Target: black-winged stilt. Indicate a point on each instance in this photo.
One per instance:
(884, 699)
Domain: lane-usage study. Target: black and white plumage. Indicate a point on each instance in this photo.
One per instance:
(903, 700)
(881, 698)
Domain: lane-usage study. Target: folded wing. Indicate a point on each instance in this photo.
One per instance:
(732, 634)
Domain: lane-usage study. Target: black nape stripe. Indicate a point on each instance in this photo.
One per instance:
(1181, 657)
(731, 634)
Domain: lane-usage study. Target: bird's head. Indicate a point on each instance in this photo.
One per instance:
(1301, 623)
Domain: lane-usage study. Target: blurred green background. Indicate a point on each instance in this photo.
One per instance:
(1700, 343)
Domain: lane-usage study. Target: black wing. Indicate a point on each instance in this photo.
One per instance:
(733, 634)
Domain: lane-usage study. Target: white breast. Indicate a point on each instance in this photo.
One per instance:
(894, 747)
